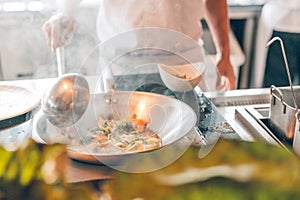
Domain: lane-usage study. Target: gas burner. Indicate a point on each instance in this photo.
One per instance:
(211, 121)
(204, 104)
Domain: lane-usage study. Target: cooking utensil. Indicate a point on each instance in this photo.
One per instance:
(283, 114)
(60, 58)
(171, 119)
(182, 78)
(66, 101)
(282, 109)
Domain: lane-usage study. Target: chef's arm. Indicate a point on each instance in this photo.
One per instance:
(216, 16)
(58, 28)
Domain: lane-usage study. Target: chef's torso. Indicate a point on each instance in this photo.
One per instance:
(116, 16)
(172, 26)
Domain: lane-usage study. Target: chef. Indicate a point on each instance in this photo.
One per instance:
(117, 16)
(278, 18)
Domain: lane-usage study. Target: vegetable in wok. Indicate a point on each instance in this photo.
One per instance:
(123, 135)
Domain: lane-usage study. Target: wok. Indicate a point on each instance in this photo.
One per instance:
(171, 119)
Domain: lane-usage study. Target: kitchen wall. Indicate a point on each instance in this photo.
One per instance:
(22, 46)
(24, 53)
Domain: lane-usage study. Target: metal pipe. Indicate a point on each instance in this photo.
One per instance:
(286, 66)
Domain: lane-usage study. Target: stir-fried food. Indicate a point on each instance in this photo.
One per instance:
(125, 135)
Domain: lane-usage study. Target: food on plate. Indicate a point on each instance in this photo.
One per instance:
(131, 135)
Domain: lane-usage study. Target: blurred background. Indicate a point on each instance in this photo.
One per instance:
(24, 53)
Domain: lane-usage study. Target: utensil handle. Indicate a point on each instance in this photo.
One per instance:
(273, 89)
(60, 58)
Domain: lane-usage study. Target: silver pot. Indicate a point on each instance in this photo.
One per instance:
(283, 111)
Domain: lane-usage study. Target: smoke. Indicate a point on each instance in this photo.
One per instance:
(25, 53)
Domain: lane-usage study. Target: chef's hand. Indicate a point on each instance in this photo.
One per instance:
(226, 77)
(58, 29)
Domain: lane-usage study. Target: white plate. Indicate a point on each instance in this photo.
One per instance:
(16, 101)
(182, 78)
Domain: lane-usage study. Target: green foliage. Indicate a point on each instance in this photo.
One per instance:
(273, 174)
(36, 172)
(232, 170)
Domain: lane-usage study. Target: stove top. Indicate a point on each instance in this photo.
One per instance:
(212, 121)
(256, 119)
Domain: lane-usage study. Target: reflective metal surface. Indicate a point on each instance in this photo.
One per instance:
(66, 101)
(16, 105)
(256, 119)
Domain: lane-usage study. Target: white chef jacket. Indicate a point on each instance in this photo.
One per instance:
(183, 16)
(279, 15)
(117, 16)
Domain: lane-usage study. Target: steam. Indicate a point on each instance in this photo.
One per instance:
(24, 51)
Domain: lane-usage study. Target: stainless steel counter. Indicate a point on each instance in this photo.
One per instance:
(247, 111)
(230, 101)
